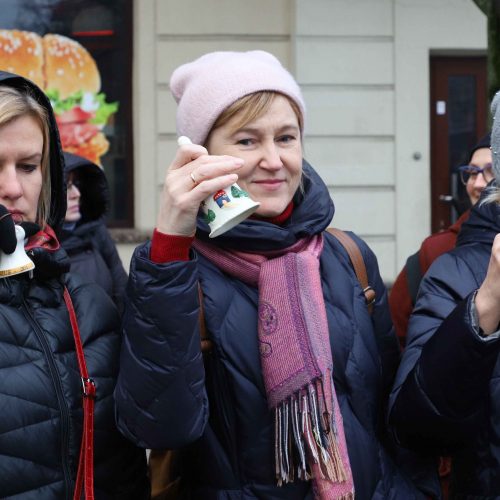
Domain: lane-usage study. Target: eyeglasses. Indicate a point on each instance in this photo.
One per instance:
(468, 172)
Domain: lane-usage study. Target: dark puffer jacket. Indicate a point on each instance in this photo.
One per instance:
(447, 394)
(40, 385)
(91, 250)
(164, 398)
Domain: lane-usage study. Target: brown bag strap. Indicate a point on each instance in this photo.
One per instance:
(358, 264)
(206, 343)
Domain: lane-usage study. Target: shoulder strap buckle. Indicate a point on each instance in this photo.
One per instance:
(358, 263)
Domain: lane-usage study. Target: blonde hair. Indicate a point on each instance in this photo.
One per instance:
(16, 103)
(249, 108)
(493, 195)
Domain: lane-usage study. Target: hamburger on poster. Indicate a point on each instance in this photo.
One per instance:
(68, 74)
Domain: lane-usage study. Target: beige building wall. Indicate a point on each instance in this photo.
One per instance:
(363, 66)
(423, 27)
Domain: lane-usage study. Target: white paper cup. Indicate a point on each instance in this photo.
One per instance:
(226, 208)
(18, 261)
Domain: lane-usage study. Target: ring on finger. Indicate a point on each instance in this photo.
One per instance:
(193, 179)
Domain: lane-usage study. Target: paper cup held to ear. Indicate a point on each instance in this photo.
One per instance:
(18, 261)
(226, 208)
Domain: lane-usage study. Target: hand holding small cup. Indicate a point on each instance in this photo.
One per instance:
(225, 208)
(196, 179)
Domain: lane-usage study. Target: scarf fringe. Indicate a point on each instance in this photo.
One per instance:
(305, 434)
(347, 496)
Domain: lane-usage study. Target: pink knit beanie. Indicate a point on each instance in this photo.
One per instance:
(207, 86)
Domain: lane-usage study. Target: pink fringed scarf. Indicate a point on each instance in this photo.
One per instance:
(296, 363)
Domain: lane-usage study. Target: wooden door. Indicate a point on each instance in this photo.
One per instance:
(459, 105)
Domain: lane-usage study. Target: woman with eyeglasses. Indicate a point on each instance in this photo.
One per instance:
(446, 398)
(84, 235)
(475, 176)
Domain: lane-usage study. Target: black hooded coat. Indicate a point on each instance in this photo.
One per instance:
(40, 384)
(89, 245)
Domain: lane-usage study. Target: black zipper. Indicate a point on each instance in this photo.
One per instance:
(65, 415)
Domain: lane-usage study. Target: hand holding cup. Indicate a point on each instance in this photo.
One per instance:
(225, 208)
(191, 177)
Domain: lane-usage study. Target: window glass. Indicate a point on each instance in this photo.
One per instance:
(461, 131)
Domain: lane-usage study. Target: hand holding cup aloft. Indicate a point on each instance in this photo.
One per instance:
(488, 296)
(190, 178)
(224, 208)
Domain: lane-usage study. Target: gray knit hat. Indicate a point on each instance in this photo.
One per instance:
(495, 136)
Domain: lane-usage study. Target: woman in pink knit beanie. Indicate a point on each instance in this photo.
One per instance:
(289, 402)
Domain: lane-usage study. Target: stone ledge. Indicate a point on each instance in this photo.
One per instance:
(130, 235)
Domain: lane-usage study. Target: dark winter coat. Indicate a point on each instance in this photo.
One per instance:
(446, 398)
(165, 399)
(40, 384)
(91, 249)
(403, 292)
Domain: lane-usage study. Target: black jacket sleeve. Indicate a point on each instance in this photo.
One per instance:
(118, 274)
(442, 386)
(160, 395)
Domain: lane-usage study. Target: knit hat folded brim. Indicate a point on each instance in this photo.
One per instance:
(484, 142)
(207, 86)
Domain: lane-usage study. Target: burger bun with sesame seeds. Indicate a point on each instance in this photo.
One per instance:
(68, 74)
(69, 67)
(21, 52)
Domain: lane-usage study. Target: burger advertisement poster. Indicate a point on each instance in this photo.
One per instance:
(69, 75)
(80, 53)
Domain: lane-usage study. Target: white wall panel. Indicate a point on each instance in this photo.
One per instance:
(385, 251)
(166, 152)
(349, 111)
(369, 211)
(223, 16)
(165, 112)
(345, 17)
(173, 53)
(351, 161)
(144, 121)
(336, 61)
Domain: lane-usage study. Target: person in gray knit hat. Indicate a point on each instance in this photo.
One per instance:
(446, 398)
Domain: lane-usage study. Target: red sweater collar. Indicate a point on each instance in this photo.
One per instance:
(279, 219)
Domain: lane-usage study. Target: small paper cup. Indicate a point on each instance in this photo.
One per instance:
(226, 208)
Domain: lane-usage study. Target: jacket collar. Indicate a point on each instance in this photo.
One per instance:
(483, 224)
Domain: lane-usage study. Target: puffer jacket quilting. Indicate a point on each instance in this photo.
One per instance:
(446, 398)
(40, 392)
(40, 385)
(163, 400)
